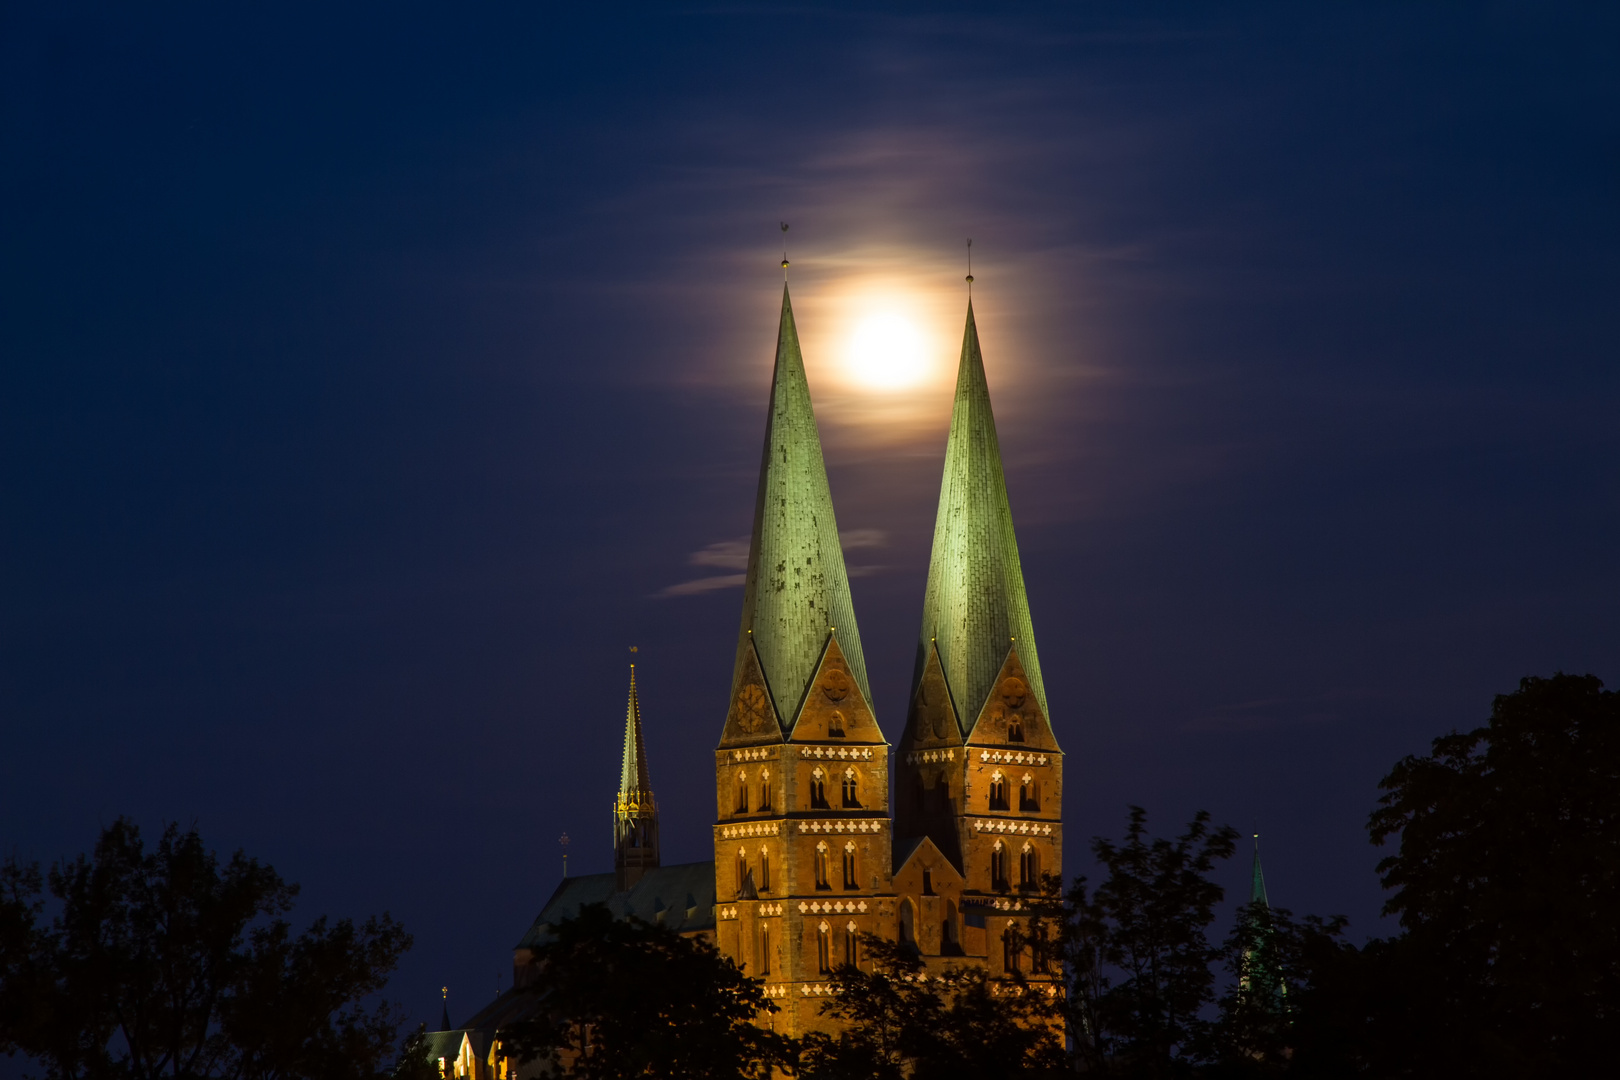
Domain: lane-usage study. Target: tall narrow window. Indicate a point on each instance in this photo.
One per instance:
(764, 789)
(835, 725)
(1039, 962)
(1029, 867)
(821, 866)
(852, 948)
(764, 950)
(998, 866)
(928, 882)
(742, 792)
(1015, 728)
(1029, 793)
(818, 789)
(998, 791)
(1011, 946)
(764, 868)
(851, 796)
(908, 923)
(824, 948)
(849, 867)
(742, 869)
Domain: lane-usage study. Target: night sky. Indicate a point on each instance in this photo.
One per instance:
(374, 377)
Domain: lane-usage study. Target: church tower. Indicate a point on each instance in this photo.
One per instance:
(978, 800)
(802, 835)
(635, 814)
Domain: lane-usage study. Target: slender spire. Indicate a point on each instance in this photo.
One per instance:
(635, 813)
(975, 608)
(634, 782)
(1257, 886)
(797, 589)
(444, 1017)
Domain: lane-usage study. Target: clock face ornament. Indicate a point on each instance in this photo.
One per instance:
(835, 684)
(752, 708)
(1013, 691)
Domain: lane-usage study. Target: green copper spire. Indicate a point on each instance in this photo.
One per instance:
(975, 607)
(635, 785)
(1257, 887)
(797, 590)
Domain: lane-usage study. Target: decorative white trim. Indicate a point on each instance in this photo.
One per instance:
(769, 909)
(928, 757)
(816, 907)
(757, 753)
(750, 828)
(1012, 825)
(726, 912)
(847, 753)
(1012, 757)
(818, 989)
(840, 826)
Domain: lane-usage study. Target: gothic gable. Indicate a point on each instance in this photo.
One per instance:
(1012, 716)
(751, 719)
(833, 705)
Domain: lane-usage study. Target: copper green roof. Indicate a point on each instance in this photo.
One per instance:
(1257, 886)
(797, 590)
(975, 605)
(635, 784)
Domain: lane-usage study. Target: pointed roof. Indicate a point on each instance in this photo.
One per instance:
(797, 590)
(1257, 885)
(975, 607)
(634, 780)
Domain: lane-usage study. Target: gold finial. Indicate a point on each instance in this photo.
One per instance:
(970, 266)
(784, 250)
(445, 992)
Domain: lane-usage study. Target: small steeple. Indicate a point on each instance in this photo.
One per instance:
(444, 1018)
(797, 589)
(975, 609)
(635, 812)
(1257, 886)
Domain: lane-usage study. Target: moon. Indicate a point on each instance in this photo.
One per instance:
(887, 351)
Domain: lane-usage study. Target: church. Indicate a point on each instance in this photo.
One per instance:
(809, 851)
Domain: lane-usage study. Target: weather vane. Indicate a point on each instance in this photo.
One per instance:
(970, 266)
(563, 842)
(784, 251)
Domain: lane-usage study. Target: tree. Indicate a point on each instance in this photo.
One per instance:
(902, 1021)
(1507, 883)
(624, 998)
(165, 964)
(1138, 949)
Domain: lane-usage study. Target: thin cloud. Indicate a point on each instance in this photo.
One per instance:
(733, 555)
(851, 539)
(727, 555)
(703, 585)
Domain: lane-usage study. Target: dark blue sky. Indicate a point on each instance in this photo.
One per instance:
(371, 375)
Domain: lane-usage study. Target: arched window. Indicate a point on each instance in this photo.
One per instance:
(998, 791)
(851, 796)
(849, 866)
(824, 947)
(1029, 793)
(1011, 947)
(998, 866)
(742, 792)
(852, 947)
(950, 939)
(764, 789)
(764, 868)
(835, 725)
(742, 869)
(764, 950)
(1029, 867)
(1015, 728)
(821, 866)
(818, 789)
(908, 923)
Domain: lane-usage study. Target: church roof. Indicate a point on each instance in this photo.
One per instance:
(683, 894)
(634, 779)
(797, 590)
(975, 606)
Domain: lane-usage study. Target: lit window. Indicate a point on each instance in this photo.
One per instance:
(764, 868)
(849, 867)
(1029, 793)
(998, 791)
(998, 866)
(765, 789)
(824, 948)
(821, 866)
(851, 798)
(818, 789)
(742, 792)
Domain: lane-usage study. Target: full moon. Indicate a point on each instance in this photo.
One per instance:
(887, 352)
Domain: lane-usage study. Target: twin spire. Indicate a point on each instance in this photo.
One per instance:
(797, 589)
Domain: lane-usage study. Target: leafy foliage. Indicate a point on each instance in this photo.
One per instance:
(1507, 881)
(903, 1020)
(1139, 952)
(624, 998)
(166, 964)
